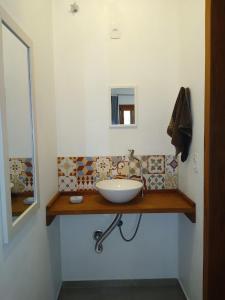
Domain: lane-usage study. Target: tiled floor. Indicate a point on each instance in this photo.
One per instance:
(122, 290)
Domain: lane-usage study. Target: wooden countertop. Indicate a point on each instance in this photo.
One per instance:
(167, 201)
(18, 206)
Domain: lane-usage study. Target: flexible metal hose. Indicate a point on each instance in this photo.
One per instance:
(120, 224)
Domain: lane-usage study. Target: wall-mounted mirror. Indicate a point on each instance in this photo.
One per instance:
(19, 189)
(123, 107)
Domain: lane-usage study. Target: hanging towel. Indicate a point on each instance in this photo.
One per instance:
(180, 127)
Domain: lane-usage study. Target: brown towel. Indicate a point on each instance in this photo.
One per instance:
(180, 127)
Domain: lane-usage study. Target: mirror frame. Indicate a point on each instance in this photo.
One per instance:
(129, 86)
(10, 228)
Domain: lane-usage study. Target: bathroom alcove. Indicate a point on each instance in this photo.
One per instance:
(85, 58)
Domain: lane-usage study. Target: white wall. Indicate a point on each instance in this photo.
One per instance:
(18, 118)
(192, 24)
(87, 63)
(30, 264)
(152, 254)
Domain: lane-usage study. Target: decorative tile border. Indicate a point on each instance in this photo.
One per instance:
(154, 181)
(156, 164)
(120, 167)
(171, 181)
(144, 160)
(134, 167)
(86, 166)
(81, 173)
(86, 182)
(67, 183)
(103, 167)
(171, 164)
(67, 166)
(21, 174)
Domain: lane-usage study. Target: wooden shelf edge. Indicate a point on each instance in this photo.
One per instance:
(50, 216)
(50, 219)
(190, 216)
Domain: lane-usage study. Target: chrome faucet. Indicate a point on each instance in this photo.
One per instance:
(133, 157)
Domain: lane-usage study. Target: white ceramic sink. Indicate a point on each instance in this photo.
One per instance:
(119, 190)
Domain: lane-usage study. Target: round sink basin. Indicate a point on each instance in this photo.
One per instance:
(119, 190)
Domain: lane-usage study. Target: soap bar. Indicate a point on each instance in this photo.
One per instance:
(28, 201)
(76, 199)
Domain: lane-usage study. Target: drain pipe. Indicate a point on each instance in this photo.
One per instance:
(100, 236)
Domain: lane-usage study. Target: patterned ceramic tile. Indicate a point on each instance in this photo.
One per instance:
(28, 164)
(154, 181)
(134, 167)
(18, 185)
(86, 182)
(171, 181)
(66, 166)
(21, 174)
(144, 162)
(67, 183)
(28, 183)
(145, 181)
(156, 164)
(16, 166)
(171, 163)
(103, 166)
(120, 167)
(86, 166)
